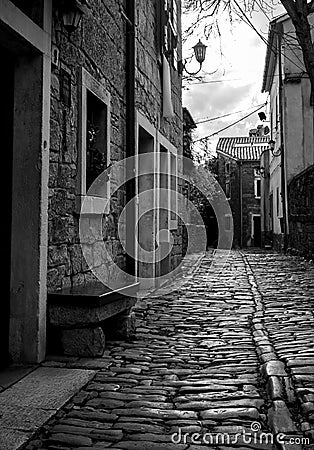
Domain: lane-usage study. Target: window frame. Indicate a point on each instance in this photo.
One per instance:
(87, 83)
(173, 199)
(228, 189)
(257, 181)
(171, 32)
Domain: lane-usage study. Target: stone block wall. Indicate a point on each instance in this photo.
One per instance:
(250, 205)
(149, 75)
(148, 98)
(98, 46)
(301, 213)
(234, 191)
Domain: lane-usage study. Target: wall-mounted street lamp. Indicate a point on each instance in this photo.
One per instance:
(271, 148)
(199, 53)
(71, 12)
(262, 116)
(271, 145)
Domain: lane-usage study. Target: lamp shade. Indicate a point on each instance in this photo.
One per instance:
(262, 116)
(71, 15)
(200, 52)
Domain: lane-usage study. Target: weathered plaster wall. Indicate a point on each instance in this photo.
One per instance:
(298, 113)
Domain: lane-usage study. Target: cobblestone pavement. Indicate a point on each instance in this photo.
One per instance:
(228, 352)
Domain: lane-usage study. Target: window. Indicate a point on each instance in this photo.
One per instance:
(170, 31)
(257, 184)
(94, 140)
(169, 179)
(228, 190)
(227, 168)
(257, 187)
(173, 191)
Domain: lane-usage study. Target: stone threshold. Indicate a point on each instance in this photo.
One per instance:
(30, 402)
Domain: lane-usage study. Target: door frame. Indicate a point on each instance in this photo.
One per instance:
(252, 226)
(31, 46)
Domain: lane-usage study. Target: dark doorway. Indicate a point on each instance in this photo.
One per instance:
(6, 124)
(257, 231)
(211, 228)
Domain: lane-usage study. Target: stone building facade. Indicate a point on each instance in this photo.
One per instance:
(91, 64)
(83, 100)
(301, 213)
(291, 126)
(238, 175)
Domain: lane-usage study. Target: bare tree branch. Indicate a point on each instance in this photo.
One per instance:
(297, 10)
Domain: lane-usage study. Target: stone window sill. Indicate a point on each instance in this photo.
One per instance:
(92, 205)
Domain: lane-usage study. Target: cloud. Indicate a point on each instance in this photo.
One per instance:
(241, 80)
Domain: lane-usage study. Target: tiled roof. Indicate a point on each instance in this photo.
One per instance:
(243, 148)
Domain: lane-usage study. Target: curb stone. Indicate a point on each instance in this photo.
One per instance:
(278, 385)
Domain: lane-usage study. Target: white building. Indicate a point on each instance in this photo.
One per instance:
(291, 123)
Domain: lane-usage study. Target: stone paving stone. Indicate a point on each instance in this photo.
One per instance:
(200, 361)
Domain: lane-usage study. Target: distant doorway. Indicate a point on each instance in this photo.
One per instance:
(257, 231)
(6, 124)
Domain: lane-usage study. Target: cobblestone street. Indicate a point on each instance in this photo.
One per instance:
(229, 352)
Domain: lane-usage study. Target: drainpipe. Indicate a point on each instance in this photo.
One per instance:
(130, 132)
(283, 168)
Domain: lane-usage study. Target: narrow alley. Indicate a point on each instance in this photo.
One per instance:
(226, 360)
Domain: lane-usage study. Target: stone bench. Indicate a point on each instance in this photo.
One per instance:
(77, 317)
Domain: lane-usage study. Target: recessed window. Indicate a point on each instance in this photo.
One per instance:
(258, 187)
(257, 184)
(228, 190)
(171, 34)
(94, 136)
(173, 191)
(96, 139)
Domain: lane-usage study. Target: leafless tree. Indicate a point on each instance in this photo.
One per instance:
(208, 13)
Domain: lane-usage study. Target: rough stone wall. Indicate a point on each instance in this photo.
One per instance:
(250, 204)
(301, 213)
(149, 75)
(98, 46)
(148, 98)
(234, 190)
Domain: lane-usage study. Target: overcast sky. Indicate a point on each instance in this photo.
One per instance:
(236, 85)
